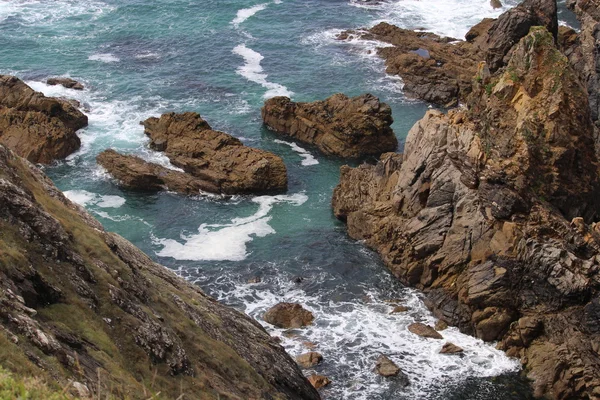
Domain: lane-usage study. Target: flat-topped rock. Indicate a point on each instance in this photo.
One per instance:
(135, 173)
(215, 157)
(342, 126)
(425, 331)
(38, 128)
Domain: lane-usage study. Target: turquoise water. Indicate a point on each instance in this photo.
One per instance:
(222, 59)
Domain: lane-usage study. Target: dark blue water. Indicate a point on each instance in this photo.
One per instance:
(222, 59)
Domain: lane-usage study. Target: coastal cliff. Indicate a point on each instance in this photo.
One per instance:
(491, 211)
(86, 312)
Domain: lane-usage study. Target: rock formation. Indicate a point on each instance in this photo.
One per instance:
(491, 211)
(388, 369)
(309, 360)
(288, 315)
(451, 348)
(346, 127)
(440, 70)
(425, 331)
(218, 159)
(134, 173)
(39, 128)
(319, 381)
(79, 304)
(65, 82)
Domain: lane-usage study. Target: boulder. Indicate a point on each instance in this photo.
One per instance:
(342, 126)
(490, 211)
(496, 4)
(387, 368)
(215, 157)
(441, 326)
(135, 173)
(399, 309)
(38, 128)
(288, 315)
(450, 348)
(309, 360)
(65, 82)
(319, 381)
(425, 331)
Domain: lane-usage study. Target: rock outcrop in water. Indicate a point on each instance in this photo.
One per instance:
(440, 70)
(215, 157)
(79, 304)
(65, 82)
(492, 211)
(346, 127)
(39, 128)
(134, 173)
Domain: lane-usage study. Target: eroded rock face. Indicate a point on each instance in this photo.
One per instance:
(92, 308)
(491, 212)
(288, 315)
(309, 360)
(215, 157)
(440, 69)
(425, 331)
(65, 82)
(135, 173)
(38, 128)
(346, 127)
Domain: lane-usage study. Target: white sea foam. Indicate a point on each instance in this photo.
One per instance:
(104, 57)
(307, 158)
(253, 71)
(245, 13)
(352, 334)
(227, 242)
(85, 198)
(37, 12)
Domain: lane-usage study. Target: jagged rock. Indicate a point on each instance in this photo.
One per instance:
(215, 157)
(496, 4)
(65, 82)
(346, 127)
(319, 381)
(386, 367)
(440, 70)
(288, 315)
(450, 348)
(39, 128)
(441, 325)
(309, 360)
(399, 309)
(135, 173)
(149, 324)
(489, 211)
(425, 331)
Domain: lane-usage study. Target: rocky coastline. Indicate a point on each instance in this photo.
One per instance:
(492, 210)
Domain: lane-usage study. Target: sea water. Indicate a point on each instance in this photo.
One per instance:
(223, 58)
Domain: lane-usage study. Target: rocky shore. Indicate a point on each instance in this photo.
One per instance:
(492, 210)
(86, 312)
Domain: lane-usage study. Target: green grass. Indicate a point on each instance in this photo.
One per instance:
(13, 388)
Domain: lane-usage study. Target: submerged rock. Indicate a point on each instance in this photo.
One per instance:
(425, 331)
(309, 360)
(134, 173)
(490, 211)
(38, 128)
(89, 307)
(215, 157)
(65, 82)
(288, 315)
(342, 126)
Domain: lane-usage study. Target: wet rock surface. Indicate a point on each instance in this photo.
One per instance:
(79, 304)
(38, 128)
(342, 126)
(425, 331)
(319, 381)
(492, 211)
(309, 360)
(288, 315)
(65, 82)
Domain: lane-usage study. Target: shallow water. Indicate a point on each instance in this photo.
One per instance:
(222, 59)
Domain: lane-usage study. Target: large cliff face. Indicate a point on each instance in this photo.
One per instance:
(490, 211)
(80, 304)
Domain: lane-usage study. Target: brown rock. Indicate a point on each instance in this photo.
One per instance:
(425, 331)
(441, 326)
(450, 348)
(386, 367)
(288, 315)
(309, 360)
(38, 128)
(215, 157)
(496, 4)
(491, 216)
(319, 381)
(66, 82)
(399, 309)
(135, 173)
(346, 127)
